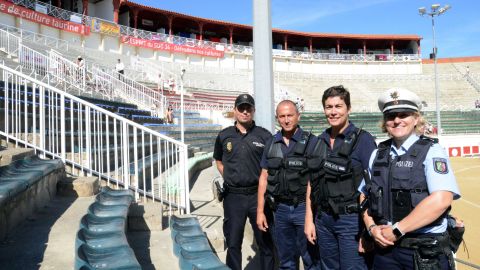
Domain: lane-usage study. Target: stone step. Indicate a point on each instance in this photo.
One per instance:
(84, 186)
(12, 154)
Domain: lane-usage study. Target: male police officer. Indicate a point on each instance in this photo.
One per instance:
(283, 181)
(410, 192)
(237, 152)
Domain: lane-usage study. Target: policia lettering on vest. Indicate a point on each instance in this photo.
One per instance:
(409, 190)
(340, 155)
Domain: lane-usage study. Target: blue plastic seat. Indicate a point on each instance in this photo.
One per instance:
(103, 224)
(38, 164)
(101, 210)
(116, 192)
(107, 199)
(190, 243)
(187, 231)
(184, 221)
(11, 186)
(98, 240)
(106, 258)
(27, 177)
(200, 260)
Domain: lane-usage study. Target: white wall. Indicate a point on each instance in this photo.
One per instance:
(7, 19)
(94, 40)
(27, 25)
(49, 31)
(111, 44)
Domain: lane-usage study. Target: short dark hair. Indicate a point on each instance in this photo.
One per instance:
(337, 91)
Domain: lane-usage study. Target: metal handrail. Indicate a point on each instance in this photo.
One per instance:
(36, 37)
(63, 69)
(93, 141)
(9, 43)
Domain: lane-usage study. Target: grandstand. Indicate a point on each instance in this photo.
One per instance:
(69, 129)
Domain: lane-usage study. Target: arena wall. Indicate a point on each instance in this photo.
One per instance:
(237, 61)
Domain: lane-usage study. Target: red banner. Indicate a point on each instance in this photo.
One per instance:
(31, 15)
(164, 46)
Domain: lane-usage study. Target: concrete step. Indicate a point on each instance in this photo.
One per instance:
(12, 154)
(46, 240)
(82, 186)
(210, 214)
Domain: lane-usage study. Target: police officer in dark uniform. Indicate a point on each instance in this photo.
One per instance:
(345, 151)
(410, 191)
(283, 183)
(237, 152)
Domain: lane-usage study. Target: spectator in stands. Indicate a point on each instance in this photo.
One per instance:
(80, 62)
(477, 104)
(237, 154)
(120, 69)
(344, 151)
(171, 84)
(467, 70)
(302, 105)
(410, 191)
(160, 83)
(81, 67)
(169, 115)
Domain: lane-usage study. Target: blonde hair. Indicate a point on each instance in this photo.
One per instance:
(419, 128)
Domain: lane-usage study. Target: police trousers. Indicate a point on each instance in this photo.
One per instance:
(237, 208)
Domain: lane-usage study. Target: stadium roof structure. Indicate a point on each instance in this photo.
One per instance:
(205, 28)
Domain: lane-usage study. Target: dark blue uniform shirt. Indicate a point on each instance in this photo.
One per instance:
(278, 138)
(361, 153)
(240, 154)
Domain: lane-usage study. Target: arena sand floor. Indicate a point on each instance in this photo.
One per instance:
(467, 172)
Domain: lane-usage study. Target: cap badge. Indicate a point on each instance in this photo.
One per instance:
(229, 147)
(395, 97)
(245, 96)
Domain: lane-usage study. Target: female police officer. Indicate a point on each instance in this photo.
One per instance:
(344, 151)
(410, 191)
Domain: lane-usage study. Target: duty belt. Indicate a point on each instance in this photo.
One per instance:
(290, 201)
(241, 190)
(414, 240)
(345, 210)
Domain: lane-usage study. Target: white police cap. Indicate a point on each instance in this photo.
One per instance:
(399, 100)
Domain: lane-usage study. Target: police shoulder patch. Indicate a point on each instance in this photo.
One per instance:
(440, 165)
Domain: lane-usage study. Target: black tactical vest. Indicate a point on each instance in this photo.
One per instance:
(335, 187)
(398, 185)
(288, 177)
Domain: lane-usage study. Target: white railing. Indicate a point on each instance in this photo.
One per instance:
(36, 63)
(65, 70)
(126, 90)
(9, 43)
(155, 99)
(36, 38)
(93, 141)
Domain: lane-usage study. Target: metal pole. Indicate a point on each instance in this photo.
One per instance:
(262, 64)
(182, 127)
(437, 91)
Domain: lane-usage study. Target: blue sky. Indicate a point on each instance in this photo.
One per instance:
(457, 31)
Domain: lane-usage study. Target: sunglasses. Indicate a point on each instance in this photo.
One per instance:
(401, 115)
